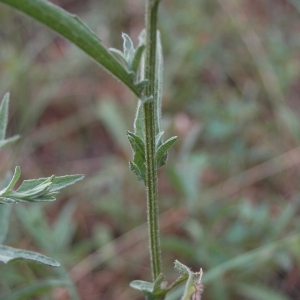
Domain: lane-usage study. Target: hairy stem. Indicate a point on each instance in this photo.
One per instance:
(150, 131)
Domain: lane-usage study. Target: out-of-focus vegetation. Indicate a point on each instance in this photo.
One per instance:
(231, 95)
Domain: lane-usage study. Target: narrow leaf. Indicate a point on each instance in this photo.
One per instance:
(158, 139)
(259, 292)
(4, 220)
(158, 84)
(34, 289)
(119, 54)
(137, 58)
(8, 254)
(9, 141)
(8, 200)
(139, 115)
(13, 181)
(139, 121)
(3, 116)
(73, 29)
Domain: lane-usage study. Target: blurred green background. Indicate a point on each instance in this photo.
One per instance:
(229, 196)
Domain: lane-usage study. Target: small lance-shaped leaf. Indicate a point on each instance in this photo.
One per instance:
(131, 59)
(137, 58)
(73, 29)
(128, 50)
(138, 164)
(3, 123)
(161, 152)
(8, 254)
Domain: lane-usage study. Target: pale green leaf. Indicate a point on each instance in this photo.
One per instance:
(4, 116)
(119, 54)
(128, 50)
(9, 141)
(8, 254)
(13, 181)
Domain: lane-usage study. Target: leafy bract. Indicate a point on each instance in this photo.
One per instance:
(130, 58)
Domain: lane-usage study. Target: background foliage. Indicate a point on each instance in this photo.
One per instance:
(230, 193)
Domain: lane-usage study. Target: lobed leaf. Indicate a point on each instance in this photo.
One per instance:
(8, 254)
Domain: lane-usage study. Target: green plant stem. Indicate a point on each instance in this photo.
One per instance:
(150, 131)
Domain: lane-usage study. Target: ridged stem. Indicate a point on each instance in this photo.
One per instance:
(150, 131)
